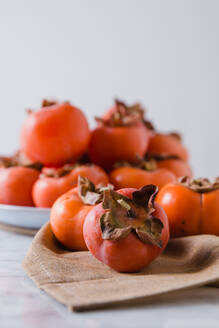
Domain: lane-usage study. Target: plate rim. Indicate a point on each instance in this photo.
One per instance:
(24, 208)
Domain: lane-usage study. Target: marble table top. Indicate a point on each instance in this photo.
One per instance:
(23, 305)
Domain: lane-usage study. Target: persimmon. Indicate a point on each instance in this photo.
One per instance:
(55, 133)
(119, 137)
(69, 212)
(171, 162)
(54, 182)
(140, 173)
(16, 182)
(192, 206)
(127, 230)
(170, 144)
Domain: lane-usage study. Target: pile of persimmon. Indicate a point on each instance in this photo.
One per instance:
(114, 190)
(54, 140)
(56, 146)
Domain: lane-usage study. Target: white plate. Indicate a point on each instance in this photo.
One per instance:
(24, 216)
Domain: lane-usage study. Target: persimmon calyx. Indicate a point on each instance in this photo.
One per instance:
(36, 166)
(61, 171)
(48, 103)
(176, 135)
(90, 194)
(124, 215)
(21, 159)
(140, 163)
(7, 162)
(146, 164)
(149, 125)
(124, 115)
(201, 185)
(159, 157)
(57, 173)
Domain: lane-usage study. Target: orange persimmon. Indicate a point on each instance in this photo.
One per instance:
(170, 144)
(55, 182)
(140, 173)
(16, 182)
(69, 212)
(54, 134)
(128, 230)
(121, 136)
(192, 206)
(172, 163)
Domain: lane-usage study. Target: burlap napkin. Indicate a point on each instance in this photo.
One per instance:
(81, 282)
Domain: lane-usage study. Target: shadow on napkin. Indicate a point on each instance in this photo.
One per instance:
(81, 282)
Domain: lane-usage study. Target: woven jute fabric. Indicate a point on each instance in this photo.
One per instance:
(81, 282)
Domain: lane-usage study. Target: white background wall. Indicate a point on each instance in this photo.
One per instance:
(163, 53)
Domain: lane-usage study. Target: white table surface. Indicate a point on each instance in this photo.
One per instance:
(23, 305)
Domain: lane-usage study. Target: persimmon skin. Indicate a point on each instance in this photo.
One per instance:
(67, 218)
(47, 189)
(93, 172)
(112, 144)
(210, 213)
(182, 207)
(55, 134)
(16, 185)
(132, 177)
(128, 254)
(167, 144)
(177, 166)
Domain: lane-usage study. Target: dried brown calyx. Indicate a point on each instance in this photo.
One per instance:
(145, 164)
(44, 103)
(124, 215)
(176, 135)
(90, 194)
(124, 115)
(36, 166)
(62, 171)
(48, 103)
(19, 160)
(149, 125)
(159, 157)
(200, 185)
(57, 172)
(7, 162)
